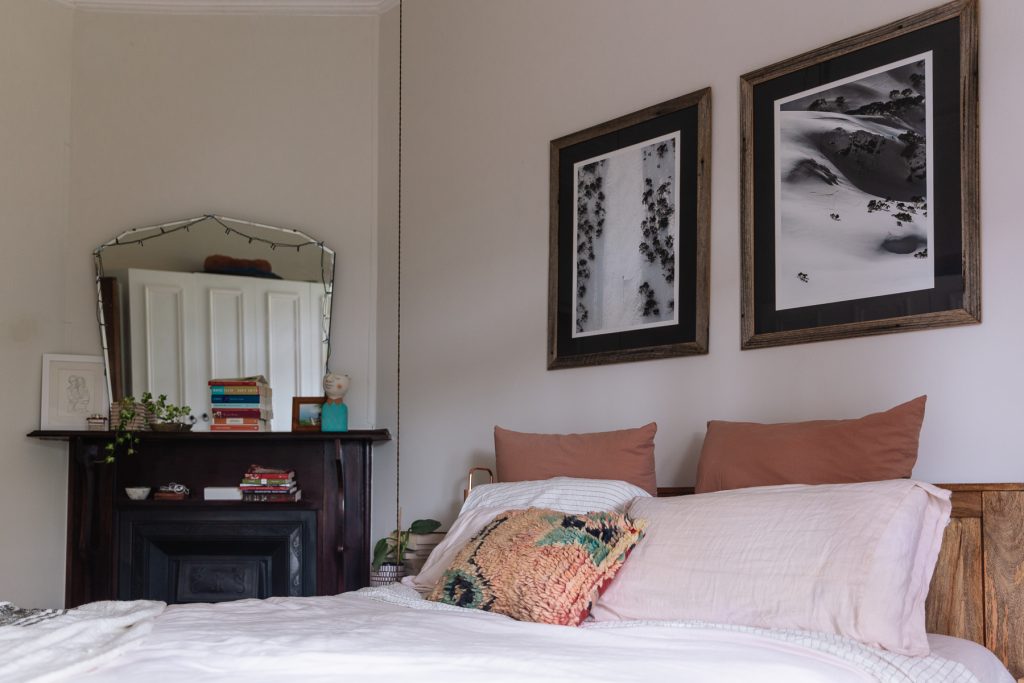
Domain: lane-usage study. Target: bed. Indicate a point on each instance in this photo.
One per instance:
(394, 631)
(660, 616)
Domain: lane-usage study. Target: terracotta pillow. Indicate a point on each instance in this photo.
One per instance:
(625, 455)
(539, 565)
(875, 447)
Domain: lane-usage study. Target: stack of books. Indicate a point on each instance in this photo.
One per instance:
(419, 549)
(268, 485)
(240, 404)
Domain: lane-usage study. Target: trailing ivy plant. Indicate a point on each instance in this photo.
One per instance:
(125, 440)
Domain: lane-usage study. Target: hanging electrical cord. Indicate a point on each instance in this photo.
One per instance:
(398, 341)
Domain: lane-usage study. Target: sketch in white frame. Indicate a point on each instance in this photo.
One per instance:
(73, 388)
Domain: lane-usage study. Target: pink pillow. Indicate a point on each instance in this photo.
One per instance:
(852, 559)
(872, 448)
(625, 455)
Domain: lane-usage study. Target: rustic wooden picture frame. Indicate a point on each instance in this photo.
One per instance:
(688, 118)
(960, 302)
(297, 403)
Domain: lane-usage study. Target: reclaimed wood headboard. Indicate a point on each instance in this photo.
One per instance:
(977, 591)
(977, 588)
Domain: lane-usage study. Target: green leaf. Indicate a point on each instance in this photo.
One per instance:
(424, 526)
(380, 552)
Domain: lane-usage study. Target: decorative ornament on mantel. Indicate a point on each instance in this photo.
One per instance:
(334, 412)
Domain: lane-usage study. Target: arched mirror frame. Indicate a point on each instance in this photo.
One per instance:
(290, 238)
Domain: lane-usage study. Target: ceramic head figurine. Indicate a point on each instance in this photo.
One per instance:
(335, 386)
(334, 413)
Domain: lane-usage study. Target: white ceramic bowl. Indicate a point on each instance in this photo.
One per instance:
(137, 492)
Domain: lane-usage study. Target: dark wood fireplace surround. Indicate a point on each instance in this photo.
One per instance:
(197, 550)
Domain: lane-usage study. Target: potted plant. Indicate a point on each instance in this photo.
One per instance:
(167, 417)
(389, 553)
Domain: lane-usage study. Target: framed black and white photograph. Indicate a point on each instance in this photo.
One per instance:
(74, 387)
(860, 185)
(629, 237)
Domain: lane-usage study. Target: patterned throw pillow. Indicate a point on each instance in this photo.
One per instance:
(539, 565)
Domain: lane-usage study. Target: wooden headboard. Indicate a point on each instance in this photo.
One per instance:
(977, 592)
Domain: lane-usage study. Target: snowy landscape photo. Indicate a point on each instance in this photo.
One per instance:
(853, 179)
(626, 232)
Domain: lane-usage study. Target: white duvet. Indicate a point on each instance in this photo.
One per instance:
(390, 633)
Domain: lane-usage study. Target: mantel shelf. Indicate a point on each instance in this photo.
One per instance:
(351, 435)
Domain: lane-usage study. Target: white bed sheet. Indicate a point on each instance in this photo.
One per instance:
(392, 632)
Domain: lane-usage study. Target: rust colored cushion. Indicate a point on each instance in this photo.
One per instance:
(625, 454)
(873, 448)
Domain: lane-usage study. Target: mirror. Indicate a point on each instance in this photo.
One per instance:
(214, 297)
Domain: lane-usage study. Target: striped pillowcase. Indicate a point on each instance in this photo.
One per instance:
(566, 494)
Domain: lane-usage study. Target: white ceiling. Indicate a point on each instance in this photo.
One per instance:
(301, 7)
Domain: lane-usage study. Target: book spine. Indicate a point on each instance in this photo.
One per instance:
(236, 383)
(232, 399)
(236, 420)
(263, 481)
(281, 490)
(271, 497)
(256, 413)
(238, 428)
(219, 390)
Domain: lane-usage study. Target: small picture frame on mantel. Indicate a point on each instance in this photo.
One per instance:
(306, 412)
(73, 388)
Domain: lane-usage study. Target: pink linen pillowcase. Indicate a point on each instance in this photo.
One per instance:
(875, 447)
(851, 559)
(539, 565)
(625, 454)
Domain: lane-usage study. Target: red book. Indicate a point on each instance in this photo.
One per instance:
(238, 428)
(258, 413)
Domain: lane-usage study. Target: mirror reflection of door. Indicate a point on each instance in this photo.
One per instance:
(214, 297)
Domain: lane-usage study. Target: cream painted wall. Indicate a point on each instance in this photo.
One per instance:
(488, 84)
(270, 118)
(35, 128)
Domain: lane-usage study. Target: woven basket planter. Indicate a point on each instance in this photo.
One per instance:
(387, 574)
(138, 423)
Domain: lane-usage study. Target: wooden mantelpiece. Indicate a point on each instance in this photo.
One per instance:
(332, 469)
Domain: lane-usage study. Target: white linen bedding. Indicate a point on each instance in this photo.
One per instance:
(393, 632)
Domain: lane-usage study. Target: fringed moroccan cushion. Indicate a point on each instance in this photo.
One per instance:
(539, 565)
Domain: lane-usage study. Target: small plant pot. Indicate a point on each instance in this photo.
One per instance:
(387, 574)
(170, 427)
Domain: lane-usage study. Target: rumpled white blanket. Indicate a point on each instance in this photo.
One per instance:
(59, 645)
(392, 632)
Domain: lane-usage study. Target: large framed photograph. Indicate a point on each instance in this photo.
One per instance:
(74, 387)
(860, 185)
(630, 208)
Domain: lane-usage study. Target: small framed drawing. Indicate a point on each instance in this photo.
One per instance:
(860, 184)
(628, 251)
(306, 413)
(74, 387)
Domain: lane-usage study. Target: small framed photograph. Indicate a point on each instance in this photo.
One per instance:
(860, 184)
(628, 250)
(306, 413)
(74, 387)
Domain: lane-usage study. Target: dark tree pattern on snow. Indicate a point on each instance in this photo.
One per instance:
(590, 213)
(658, 244)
